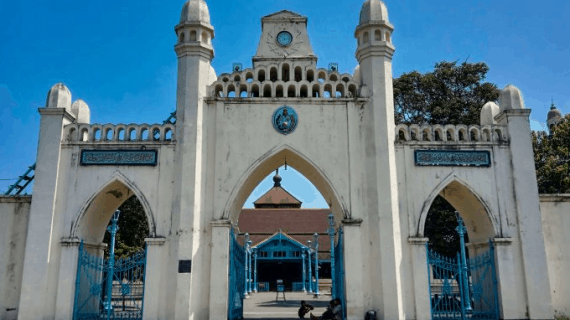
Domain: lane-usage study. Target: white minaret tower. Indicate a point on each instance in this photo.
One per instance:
(195, 53)
(374, 54)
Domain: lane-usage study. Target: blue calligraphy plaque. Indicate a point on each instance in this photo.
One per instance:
(119, 157)
(452, 158)
(285, 120)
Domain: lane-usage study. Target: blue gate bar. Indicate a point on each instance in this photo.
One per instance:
(461, 230)
(316, 244)
(330, 231)
(113, 228)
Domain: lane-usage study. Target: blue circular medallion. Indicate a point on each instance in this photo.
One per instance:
(285, 120)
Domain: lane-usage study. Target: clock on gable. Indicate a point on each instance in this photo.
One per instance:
(284, 38)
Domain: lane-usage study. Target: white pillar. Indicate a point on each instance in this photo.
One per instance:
(421, 279)
(35, 289)
(219, 280)
(535, 268)
(67, 278)
(353, 269)
(155, 256)
(506, 279)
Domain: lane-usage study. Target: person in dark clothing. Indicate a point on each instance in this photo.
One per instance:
(333, 311)
(304, 309)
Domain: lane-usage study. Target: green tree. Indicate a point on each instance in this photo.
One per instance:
(451, 94)
(133, 228)
(552, 158)
(440, 225)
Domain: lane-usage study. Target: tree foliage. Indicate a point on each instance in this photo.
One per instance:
(552, 158)
(133, 229)
(451, 94)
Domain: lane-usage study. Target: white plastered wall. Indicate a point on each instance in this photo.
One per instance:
(14, 215)
(555, 209)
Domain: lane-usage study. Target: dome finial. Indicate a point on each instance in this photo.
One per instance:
(195, 11)
(277, 179)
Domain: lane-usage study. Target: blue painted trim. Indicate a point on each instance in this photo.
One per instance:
(119, 157)
(452, 158)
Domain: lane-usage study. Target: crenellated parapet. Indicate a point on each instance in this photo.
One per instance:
(451, 134)
(118, 133)
(284, 80)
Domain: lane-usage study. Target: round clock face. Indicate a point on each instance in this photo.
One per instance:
(284, 38)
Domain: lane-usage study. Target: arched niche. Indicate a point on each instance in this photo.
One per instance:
(267, 164)
(473, 210)
(91, 223)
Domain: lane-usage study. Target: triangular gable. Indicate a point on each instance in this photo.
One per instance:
(283, 14)
(280, 236)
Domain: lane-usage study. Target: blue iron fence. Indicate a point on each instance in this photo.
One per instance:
(338, 277)
(93, 300)
(236, 279)
(262, 286)
(461, 288)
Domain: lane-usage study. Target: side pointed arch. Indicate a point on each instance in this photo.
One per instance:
(272, 160)
(479, 219)
(91, 222)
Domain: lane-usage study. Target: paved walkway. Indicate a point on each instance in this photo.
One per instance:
(262, 305)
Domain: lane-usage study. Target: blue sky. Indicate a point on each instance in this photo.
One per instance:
(118, 55)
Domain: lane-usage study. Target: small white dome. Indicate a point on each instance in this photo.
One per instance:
(488, 113)
(212, 77)
(81, 111)
(195, 11)
(373, 10)
(511, 98)
(59, 97)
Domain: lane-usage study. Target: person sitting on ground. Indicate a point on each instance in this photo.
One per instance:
(304, 309)
(333, 311)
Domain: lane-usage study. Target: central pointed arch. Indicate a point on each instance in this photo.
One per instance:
(91, 222)
(476, 214)
(274, 159)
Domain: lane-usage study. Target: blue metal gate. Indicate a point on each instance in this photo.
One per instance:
(236, 279)
(338, 272)
(461, 288)
(94, 300)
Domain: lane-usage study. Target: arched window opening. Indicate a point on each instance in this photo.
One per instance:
(498, 135)
(291, 92)
(345, 79)
(231, 91)
(249, 77)
(333, 77)
(132, 134)
(339, 91)
(438, 136)
(243, 94)
(237, 78)
(168, 135)
(327, 93)
(71, 135)
(310, 76)
(181, 37)
(279, 91)
(144, 135)
(401, 135)
(121, 134)
(219, 91)
(426, 136)
(366, 38)
(413, 135)
(193, 35)
(449, 136)
(304, 92)
(267, 91)
(316, 91)
(205, 38)
(156, 134)
(243, 91)
(322, 76)
(273, 74)
(109, 134)
(473, 135)
(352, 90)
(225, 79)
(97, 135)
(255, 91)
(378, 35)
(261, 75)
(84, 135)
(298, 74)
(285, 72)
(388, 37)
